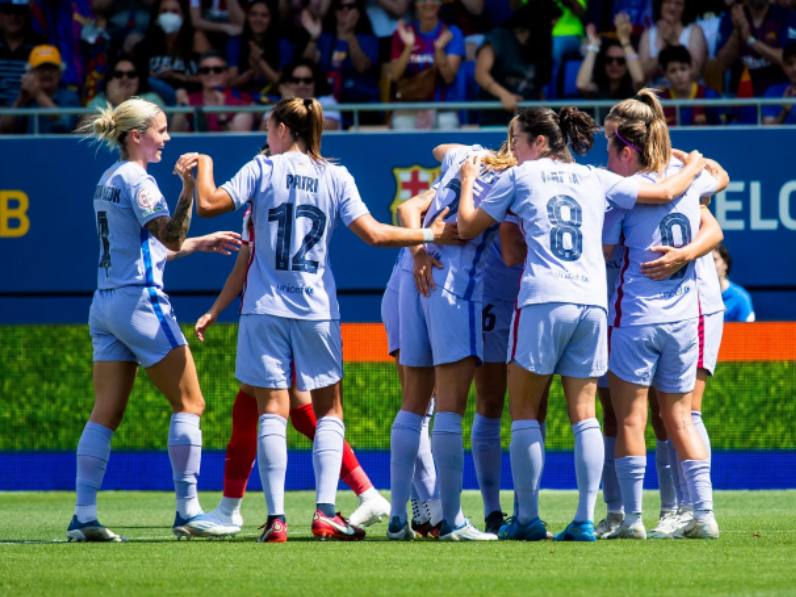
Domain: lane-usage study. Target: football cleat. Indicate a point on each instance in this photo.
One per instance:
(274, 531)
(633, 530)
(466, 532)
(668, 526)
(335, 527)
(181, 528)
(399, 532)
(215, 524)
(513, 530)
(372, 508)
(92, 530)
(610, 523)
(704, 527)
(494, 521)
(577, 531)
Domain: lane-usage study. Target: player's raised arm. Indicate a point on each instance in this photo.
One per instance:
(471, 221)
(210, 200)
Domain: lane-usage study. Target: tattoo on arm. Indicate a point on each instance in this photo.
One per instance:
(172, 231)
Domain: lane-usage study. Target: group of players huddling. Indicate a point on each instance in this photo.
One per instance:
(519, 264)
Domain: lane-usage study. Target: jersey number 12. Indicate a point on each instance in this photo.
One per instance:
(285, 216)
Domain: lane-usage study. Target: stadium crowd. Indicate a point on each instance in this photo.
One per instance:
(242, 52)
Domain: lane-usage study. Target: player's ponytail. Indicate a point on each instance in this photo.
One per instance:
(304, 118)
(503, 158)
(640, 124)
(111, 125)
(571, 126)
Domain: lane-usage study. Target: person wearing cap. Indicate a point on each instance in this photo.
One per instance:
(41, 89)
(16, 42)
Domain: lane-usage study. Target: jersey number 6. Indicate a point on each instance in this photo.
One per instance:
(285, 217)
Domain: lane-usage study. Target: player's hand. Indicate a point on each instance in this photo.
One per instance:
(423, 271)
(445, 234)
(185, 165)
(224, 242)
(695, 160)
(470, 168)
(672, 260)
(204, 322)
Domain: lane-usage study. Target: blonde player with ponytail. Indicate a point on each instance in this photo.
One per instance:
(654, 340)
(290, 316)
(131, 320)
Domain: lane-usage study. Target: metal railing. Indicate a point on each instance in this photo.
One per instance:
(595, 106)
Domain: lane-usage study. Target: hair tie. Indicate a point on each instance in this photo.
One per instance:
(628, 143)
(308, 102)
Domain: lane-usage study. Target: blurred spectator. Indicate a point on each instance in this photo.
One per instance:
(213, 75)
(256, 56)
(41, 88)
(611, 69)
(568, 33)
(302, 21)
(128, 21)
(301, 79)
(384, 16)
(677, 67)
(509, 67)
(426, 56)
(783, 114)
(737, 301)
(602, 14)
(16, 42)
(167, 49)
(349, 53)
(124, 81)
(674, 27)
(214, 22)
(708, 16)
(467, 15)
(755, 31)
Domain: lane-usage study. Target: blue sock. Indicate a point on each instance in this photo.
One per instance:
(272, 461)
(702, 432)
(404, 442)
(611, 492)
(327, 456)
(93, 453)
(697, 477)
(630, 475)
(527, 461)
(589, 460)
(683, 500)
(487, 458)
(424, 480)
(446, 445)
(185, 453)
(665, 470)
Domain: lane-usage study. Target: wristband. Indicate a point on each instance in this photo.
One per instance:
(751, 40)
(428, 235)
(594, 48)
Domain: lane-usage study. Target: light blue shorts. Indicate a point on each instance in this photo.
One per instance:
(711, 328)
(133, 323)
(603, 381)
(562, 338)
(662, 355)
(268, 346)
(390, 316)
(438, 329)
(496, 321)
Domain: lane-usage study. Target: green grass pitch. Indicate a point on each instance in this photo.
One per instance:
(754, 556)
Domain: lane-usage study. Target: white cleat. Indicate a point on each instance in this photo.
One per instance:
(608, 524)
(372, 509)
(405, 533)
(215, 524)
(668, 526)
(633, 530)
(704, 527)
(467, 532)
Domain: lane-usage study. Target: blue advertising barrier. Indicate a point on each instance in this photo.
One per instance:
(48, 243)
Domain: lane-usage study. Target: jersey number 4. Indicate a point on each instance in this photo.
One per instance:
(285, 216)
(104, 235)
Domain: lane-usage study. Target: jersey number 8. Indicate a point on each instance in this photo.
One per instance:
(566, 238)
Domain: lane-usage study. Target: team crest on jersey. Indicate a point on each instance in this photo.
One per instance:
(148, 201)
(410, 181)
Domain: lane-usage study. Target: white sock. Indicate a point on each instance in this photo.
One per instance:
(93, 453)
(230, 506)
(589, 459)
(272, 461)
(612, 495)
(448, 450)
(665, 470)
(487, 459)
(526, 467)
(630, 474)
(327, 456)
(404, 445)
(185, 453)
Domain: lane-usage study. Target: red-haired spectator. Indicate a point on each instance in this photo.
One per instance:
(213, 75)
(674, 27)
(426, 56)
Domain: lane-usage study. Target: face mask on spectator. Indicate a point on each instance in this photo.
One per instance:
(169, 22)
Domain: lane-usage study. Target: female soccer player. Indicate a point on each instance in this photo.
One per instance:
(441, 344)
(560, 322)
(654, 341)
(131, 320)
(290, 313)
(226, 519)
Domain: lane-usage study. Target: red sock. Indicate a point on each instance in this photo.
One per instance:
(303, 419)
(242, 446)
